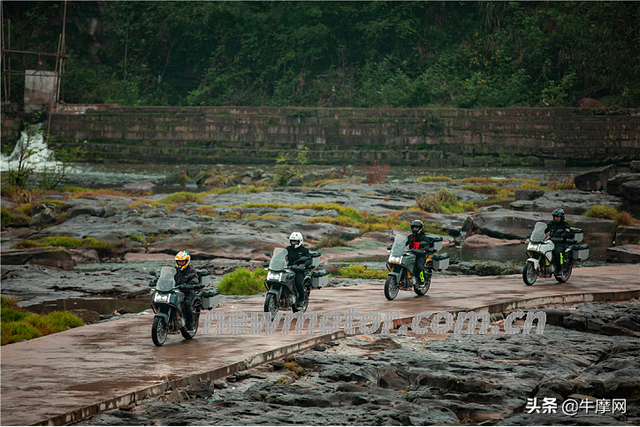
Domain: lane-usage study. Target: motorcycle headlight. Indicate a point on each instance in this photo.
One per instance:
(161, 298)
(397, 259)
(274, 276)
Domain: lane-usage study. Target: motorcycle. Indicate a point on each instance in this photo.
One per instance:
(280, 282)
(402, 262)
(168, 304)
(540, 251)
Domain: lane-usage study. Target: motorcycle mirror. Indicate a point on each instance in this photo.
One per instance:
(389, 247)
(268, 254)
(530, 226)
(392, 238)
(153, 273)
(265, 264)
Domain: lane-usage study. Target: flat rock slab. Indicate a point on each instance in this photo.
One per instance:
(53, 375)
(50, 257)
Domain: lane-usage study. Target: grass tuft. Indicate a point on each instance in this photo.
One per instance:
(243, 282)
(358, 271)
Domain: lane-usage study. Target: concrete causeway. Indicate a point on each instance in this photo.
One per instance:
(64, 377)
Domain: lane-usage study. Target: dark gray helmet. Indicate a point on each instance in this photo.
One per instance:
(416, 223)
(558, 212)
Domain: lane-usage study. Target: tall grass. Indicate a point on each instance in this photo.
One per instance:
(357, 271)
(443, 201)
(243, 282)
(17, 324)
(103, 247)
(434, 179)
(609, 212)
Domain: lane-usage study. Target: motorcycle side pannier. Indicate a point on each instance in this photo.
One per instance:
(315, 259)
(436, 242)
(440, 261)
(580, 252)
(577, 234)
(210, 298)
(319, 279)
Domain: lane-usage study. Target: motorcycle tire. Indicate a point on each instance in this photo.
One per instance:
(423, 288)
(529, 274)
(186, 334)
(391, 288)
(567, 268)
(271, 305)
(305, 304)
(159, 331)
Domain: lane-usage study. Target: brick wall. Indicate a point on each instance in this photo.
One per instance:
(432, 137)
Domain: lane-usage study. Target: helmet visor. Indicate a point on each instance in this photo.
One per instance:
(294, 242)
(181, 262)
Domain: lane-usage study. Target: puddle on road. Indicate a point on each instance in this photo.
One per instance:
(101, 305)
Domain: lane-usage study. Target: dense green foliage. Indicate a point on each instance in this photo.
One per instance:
(243, 282)
(340, 54)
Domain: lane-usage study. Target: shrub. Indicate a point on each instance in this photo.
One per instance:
(483, 189)
(600, 211)
(243, 282)
(182, 197)
(442, 201)
(435, 179)
(357, 271)
(331, 241)
(103, 247)
(18, 324)
(624, 219)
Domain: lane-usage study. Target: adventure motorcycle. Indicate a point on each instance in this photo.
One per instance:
(402, 263)
(540, 252)
(280, 282)
(168, 304)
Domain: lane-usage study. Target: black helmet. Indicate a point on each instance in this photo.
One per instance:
(416, 223)
(558, 212)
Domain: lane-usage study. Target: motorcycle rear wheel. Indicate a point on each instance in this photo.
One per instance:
(529, 274)
(305, 304)
(271, 305)
(391, 287)
(423, 288)
(196, 319)
(567, 268)
(159, 331)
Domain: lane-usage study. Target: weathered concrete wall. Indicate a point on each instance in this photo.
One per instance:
(445, 137)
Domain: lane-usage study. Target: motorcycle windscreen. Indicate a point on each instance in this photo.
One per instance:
(279, 260)
(166, 281)
(538, 232)
(399, 245)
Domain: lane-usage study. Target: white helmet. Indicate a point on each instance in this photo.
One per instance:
(296, 237)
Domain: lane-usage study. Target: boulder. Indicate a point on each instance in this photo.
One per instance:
(614, 185)
(507, 224)
(52, 257)
(627, 254)
(522, 205)
(634, 166)
(631, 190)
(43, 217)
(411, 215)
(393, 377)
(481, 241)
(87, 316)
(596, 179)
(528, 194)
(84, 210)
(139, 186)
(626, 235)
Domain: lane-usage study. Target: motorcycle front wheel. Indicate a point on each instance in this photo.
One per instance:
(564, 275)
(391, 287)
(529, 274)
(271, 305)
(422, 289)
(159, 331)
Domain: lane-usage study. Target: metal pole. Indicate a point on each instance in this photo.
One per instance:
(55, 70)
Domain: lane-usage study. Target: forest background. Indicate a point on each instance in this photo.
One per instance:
(335, 54)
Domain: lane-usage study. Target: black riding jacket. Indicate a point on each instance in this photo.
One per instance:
(294, 254)
(414, 241)
(181, 276)
(558, 230)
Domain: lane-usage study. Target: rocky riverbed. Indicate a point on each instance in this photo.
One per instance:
(235, 228)
(587, 352)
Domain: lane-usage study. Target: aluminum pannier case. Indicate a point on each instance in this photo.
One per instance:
(436, 242)
(210, 298)
(577, 234)
(580, 252)
(315, 259)
(440, 261)
(205, 278)
(319, 279)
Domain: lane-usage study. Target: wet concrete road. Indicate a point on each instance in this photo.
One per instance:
(61, 377)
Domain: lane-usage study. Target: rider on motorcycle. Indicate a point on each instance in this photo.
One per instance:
(559, 230)
(184, 268)
(413, 242)
(295, 251)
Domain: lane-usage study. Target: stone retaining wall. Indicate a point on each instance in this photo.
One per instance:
(433, 137)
